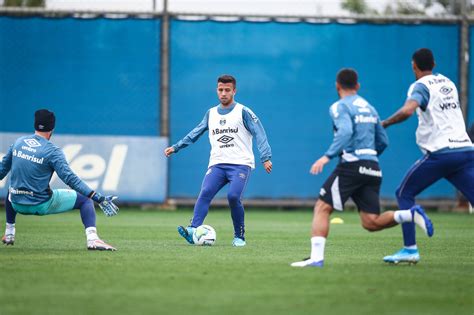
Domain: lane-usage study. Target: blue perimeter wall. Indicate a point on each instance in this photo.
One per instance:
(470, 116)
(286, 74)
(98, 75)
(101, 76)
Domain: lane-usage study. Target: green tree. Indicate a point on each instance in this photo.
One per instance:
(356, 6)
(24, 3)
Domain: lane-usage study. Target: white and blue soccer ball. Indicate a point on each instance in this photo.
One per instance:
(204, 235)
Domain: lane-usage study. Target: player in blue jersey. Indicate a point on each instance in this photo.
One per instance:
(231, 128)
(358, 140)
(32, 160)
(441, 136)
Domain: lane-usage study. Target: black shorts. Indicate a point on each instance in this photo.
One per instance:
(359, 180)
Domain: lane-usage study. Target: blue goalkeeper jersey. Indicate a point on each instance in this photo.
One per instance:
(33, 160)
(358, 134)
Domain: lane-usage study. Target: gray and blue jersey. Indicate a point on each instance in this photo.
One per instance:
(32, 161)
(358, 134)
(251, 123)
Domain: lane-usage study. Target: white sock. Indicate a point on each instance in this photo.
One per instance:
(317, 248)
(91, 233)
(420, 221)
(10, 229)
(402, 216)
(411, 247)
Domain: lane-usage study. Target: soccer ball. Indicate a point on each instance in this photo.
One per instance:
(204, 235)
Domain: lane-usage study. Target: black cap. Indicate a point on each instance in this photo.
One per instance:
(44, 120)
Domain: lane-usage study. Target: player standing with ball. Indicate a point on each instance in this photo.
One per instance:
(231, 128)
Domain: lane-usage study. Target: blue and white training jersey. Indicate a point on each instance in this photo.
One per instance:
(32, 161)
(222, 116)
(440, 120)
(358, 134)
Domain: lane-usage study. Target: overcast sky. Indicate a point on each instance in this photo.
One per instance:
(290, 7)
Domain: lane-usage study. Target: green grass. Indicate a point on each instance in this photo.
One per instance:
(48, 271)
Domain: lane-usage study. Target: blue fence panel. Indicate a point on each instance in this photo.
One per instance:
(100, 76)
(470, 114)
(286, 74)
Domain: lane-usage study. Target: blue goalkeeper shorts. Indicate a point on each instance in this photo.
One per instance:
(62, 200)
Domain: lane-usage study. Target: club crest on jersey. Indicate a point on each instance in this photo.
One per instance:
(445, 90)
(225, 139)
(222, 121)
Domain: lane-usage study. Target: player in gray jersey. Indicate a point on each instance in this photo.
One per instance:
(32, 160)
(358, 140)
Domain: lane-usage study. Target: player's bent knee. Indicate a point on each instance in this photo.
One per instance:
(370, 224)
(206, 193)
(370, 227)
(322, 207)
(233, 198)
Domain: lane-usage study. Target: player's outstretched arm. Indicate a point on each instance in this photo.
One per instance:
(402, 114)
(106, 203)
(190, 138)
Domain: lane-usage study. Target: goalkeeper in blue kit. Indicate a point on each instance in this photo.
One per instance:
(32, 160)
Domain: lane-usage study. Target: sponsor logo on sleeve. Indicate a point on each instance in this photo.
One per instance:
(361, 119)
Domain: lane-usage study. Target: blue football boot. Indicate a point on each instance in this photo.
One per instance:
(308, 262)
(422, 220)
(186, 233)
(411, 256)
(238, 242)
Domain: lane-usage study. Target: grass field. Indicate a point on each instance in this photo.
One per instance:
(48, 271)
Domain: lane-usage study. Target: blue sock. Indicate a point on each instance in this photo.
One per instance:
(214, 180)
(86, 207)
(409, 234)
(408, 228)
(239, 176)
(10, 212)
(238, 214)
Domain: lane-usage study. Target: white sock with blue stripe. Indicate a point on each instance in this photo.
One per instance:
(317, 248)
(402, 216)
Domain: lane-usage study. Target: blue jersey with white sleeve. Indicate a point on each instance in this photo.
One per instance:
(32, 161)
(358, 134)
(251, 123)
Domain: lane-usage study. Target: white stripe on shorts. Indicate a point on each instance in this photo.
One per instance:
(336, 196)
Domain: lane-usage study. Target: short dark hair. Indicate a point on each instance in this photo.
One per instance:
(227, 79)
(424, 60)
(347, 78)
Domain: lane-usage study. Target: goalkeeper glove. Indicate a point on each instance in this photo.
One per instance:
(106, 204)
